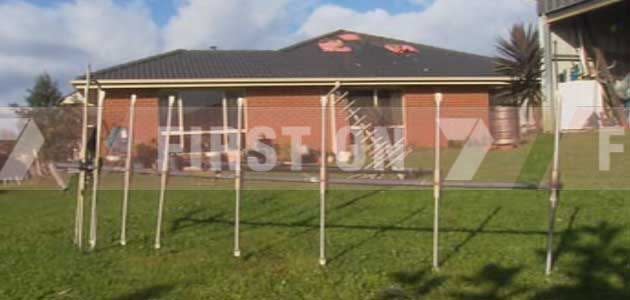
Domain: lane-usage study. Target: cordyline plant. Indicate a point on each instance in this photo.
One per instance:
(521, 58)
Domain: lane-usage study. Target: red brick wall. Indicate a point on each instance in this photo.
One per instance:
(420, 116)
(283, 107)
(279, 107)
(116, 114)
(459, 102)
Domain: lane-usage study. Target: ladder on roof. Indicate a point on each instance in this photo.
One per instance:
(380, 153)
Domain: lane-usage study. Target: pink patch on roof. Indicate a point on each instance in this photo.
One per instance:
(349, 37)
(400, 49)
(333, 45)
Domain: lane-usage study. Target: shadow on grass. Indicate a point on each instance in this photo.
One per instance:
(303, 223)
(152, 292)
(272, 201)
(411, 285)
(492, 282)
(597, 266)
(313, 226)
(471, 235)
(567, 236)
(600, 270)
(376, 234)
(188, 220)
(314, 217)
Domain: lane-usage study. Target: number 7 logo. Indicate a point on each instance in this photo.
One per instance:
(478, 143)
(24, 153)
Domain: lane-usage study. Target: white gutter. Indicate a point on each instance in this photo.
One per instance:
(265, 82)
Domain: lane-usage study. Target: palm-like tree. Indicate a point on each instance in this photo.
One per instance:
(521, 58)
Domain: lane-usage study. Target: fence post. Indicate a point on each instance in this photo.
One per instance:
(79, 214)
(437, 183)
(164, 169)
(322, 186)
(238, 178)
(128, 167)
(555, 184)
(180, 120)
(96, 167)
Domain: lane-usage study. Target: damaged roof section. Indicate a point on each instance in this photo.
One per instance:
(339, 54)
(347, 42)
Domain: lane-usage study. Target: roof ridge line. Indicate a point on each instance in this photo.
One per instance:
(419, 44)
(307, 41)
(136, 62)
(299, 44)
(231, 50)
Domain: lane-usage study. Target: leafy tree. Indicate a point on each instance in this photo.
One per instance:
(59, 125)
(44, 93)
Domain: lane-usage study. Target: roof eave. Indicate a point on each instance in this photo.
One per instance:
(262, 82)
(576, 10)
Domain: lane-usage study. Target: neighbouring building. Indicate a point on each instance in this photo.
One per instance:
(587, 60)
(284, 87)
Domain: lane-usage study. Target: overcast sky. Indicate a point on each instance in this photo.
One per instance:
(62, 36)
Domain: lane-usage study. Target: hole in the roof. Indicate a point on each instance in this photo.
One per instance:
(333, 45)
(349, 37)
(400, 49)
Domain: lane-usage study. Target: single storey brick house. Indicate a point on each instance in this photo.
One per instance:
(284, 87)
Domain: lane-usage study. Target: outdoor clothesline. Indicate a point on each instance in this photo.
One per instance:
(327, 105)
(201, 132)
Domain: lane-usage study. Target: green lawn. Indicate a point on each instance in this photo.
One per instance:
(379, 241)
(379, 246)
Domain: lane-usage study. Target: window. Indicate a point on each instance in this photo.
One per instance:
(391, 107)
(201, 110)
(379, 107)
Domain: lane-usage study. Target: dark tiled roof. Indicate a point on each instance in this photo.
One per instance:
(368, 58)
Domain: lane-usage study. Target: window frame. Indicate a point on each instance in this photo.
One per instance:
(375, 98)
(163, 96)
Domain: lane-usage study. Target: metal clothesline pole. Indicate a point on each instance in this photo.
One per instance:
(333, 124)
(322, 186)
(79, 214)
(437, 182)
(96, 167)
(238, 179)
(130, 141)
(180, 120)
(224, 105)
(554, 197)
(164, 169)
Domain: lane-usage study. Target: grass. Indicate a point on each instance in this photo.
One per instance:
(379, 247)
(530, 162)
(379, 241)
